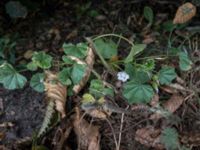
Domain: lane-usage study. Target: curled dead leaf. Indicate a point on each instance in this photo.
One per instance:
(90, 62)
(55, 91)
(87, 134)
(171, 106)
(184, 13)
(150, 137)
(155, 100)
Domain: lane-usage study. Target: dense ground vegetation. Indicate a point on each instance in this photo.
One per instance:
(94, 75)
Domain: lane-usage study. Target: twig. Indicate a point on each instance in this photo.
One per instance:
(120, 133)
(113, 132)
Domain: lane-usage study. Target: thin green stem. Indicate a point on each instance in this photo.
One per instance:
(115, 35)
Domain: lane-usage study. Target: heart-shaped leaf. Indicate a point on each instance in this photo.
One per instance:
(79, 50)
(107, 48)
(137, 93)
(166, 75)
(37, 82)
(10, 78)
(42, 60)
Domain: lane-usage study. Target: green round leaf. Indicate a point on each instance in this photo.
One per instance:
(169, 138)
(10, 78)
(79, 50)
(166, 75)
(37, 82)
(42, 60)
(15, 9)
(106, 48)
(32, 66)
(137, 93)
(77, 73)
(185, 63)
(64, 76)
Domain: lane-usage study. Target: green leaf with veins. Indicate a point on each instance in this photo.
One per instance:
(169, 138)
(32, 66)
(136, 92)
(64, 76)
(107, 48)
(185, 63)
(42, 60)
(98, 89)
(136, 49)
(37, 82)
(10, 78)
(77, 73)
(166, 75)
(136, 74)
(79, 50)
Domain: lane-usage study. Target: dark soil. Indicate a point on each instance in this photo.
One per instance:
(22, 112)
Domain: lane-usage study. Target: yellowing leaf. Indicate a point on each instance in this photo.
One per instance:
(184, 13)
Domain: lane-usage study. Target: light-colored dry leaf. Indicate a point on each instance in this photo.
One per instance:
(155, 100)
(28, 54)
(180, 80)
(72, 34)
(90, 62)
(168, 89)
(55, 91)
(184, 13)
(190, 139)
(98, 113)
(171, 106)
(150, 137)
(177, 87)
(88, 135)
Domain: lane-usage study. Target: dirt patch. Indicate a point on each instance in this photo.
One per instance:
(21, 114)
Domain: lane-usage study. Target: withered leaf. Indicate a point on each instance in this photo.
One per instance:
(150, 137)
(87, 134)
(55, 91)
(171, 105)
(90, 62)
(184, 13)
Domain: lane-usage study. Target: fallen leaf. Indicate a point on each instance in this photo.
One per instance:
(150, 137)
(28, 54)
(90, 62)
(184, 13)
(72, 34)
(88, 135)
(55, 91)
(171, 106)
(155, 100)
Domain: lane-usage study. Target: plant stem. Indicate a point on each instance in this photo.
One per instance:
(115, 35)
(100, 56)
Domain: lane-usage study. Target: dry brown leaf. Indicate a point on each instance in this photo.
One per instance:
(155, 100)
(88, 134)
(90, 62)
(171, 105)
(190, 139)
(98, 113)
(169, 89)
(55, 91)
(184, 13)
(150, 137)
